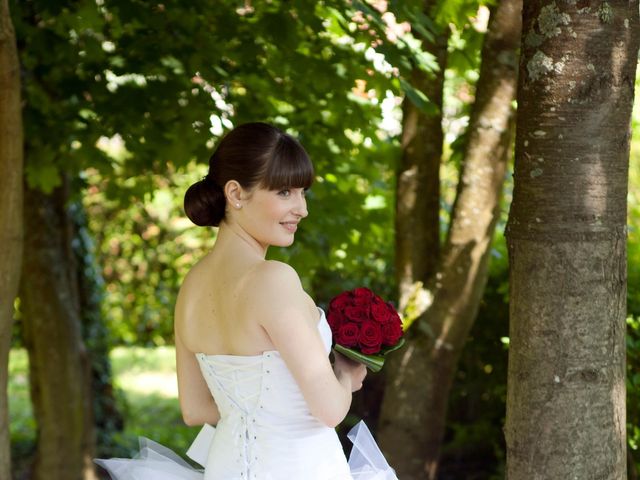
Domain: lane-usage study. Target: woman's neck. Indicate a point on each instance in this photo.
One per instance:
(232, 236)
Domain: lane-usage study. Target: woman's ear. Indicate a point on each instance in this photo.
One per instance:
(233, 192)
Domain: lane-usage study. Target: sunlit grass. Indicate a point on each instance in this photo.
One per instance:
(146, 377)
(22, 425)
(147, 394)
(144, 371)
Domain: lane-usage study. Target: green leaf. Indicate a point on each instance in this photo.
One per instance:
(418, 98)
(45, 177)
(372, 362)
(393, 348)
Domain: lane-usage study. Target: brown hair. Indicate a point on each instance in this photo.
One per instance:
(255, 155)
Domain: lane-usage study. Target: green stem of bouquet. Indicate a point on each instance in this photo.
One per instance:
(372, 362)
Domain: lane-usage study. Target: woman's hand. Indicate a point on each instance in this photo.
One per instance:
(353, 371)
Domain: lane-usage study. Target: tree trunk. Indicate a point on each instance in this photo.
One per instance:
(11, 234)
(567, 241)
(58, 365)
(417, 221)
(415, 404)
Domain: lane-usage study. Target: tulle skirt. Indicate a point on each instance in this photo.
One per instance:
(156, 462)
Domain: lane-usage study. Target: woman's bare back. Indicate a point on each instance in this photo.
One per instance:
(216, 302)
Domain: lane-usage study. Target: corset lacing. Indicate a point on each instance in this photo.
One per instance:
(241, 415)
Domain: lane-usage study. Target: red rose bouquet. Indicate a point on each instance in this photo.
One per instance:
(365, 328)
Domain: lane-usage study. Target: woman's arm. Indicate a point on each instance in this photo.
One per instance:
(278, 300)
(196, 402)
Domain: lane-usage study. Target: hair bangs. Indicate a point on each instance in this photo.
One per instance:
(289, 167)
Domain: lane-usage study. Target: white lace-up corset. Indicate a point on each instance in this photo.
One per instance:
(264, 416)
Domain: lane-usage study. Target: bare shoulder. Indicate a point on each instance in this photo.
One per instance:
(191, 282)
(273, 271)
(274, 286)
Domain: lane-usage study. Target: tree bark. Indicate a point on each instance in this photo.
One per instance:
(567, 241)
(417, 221)
(58, 364)
(414, 408)
(11, 228)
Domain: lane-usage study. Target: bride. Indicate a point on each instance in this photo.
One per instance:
(252, 348)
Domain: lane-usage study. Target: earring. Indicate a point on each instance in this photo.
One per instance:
(237, 205)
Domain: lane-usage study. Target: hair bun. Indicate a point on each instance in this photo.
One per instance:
(204, 203)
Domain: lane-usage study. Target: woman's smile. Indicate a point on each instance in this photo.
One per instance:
(290, 226)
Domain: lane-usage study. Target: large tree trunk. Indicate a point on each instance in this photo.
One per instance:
(567, 241)
(11, 155)
(58, 364)
(419, 379)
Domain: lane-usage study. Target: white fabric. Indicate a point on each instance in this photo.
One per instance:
(199, 449)
(366, 460)
(152, 462)
(266, 431)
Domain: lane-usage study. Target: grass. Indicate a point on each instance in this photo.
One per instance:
(22, 425)
(147, 395)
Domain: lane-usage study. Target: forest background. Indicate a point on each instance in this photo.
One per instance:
(123, 104)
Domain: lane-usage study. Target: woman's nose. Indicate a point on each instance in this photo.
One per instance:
(301, 205)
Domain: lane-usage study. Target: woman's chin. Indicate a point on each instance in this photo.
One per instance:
(283, 242)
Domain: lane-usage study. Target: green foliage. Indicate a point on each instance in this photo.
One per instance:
(94, 330)
(633, 290)
(633, 216)
(132, 96)
(147, 394)
(301, 78)
(145, 248)
(633, 386)
(477, 404)
(164, 81)
(22, 427)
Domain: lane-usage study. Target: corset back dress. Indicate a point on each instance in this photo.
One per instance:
(265, 431)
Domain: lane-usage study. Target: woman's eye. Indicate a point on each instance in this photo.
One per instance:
(285, 193)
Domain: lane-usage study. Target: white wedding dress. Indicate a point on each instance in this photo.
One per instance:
(266, 431)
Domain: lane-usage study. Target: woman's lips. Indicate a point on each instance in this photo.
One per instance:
(290, 226)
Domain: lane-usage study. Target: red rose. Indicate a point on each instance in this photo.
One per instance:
(370, 338)
(335, 319)
(341, 301)
(362, 296)
(380, 312)
(348, 334)
(393, 316)
(357, 313)
(391, 333)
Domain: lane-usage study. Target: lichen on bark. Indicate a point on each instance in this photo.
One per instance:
(541, 64)
(550, 20)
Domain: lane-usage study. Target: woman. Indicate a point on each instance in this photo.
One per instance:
(252, 348)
